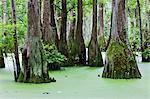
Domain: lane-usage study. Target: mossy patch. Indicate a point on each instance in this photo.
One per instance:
(121, 62)
(146, 55)
(38, 79)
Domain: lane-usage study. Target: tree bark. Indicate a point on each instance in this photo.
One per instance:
(63, 30)
(2, 64)
(46, 21)
(71, 38)
(48, 34)
(40, 11)
(101, 38)
(34, 63)
(53, 23)
(121, 60)
(16, 53)
(94, 54)
(101, 16)
(80, 46)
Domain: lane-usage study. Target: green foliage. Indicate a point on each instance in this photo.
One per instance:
(6, 40)
(6, 27)
(146, 52)
(107, 20)
(134, 38)
(52, 55)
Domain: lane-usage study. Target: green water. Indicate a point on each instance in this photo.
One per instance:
(78, 83)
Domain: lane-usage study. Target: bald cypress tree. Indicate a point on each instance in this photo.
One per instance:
(63, 48)
(95, 57)
(79, 40)
(34, 66)
(2, 64)
(121, 61)
(16, 53)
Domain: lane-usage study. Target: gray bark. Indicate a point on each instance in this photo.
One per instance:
(34, 64)
(79, 40)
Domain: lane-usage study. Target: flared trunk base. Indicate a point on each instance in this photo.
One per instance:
(121, 62)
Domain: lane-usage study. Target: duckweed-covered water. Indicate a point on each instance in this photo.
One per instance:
(77, 83)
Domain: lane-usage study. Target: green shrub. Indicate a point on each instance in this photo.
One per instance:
(52, 55)
(146, 52)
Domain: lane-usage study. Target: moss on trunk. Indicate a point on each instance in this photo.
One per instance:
(34, 65)
(101, 43)
(94, 55)
(121, 62)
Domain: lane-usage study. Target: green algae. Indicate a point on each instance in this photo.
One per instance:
(77, 83)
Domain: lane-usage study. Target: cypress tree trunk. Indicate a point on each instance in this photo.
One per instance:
(16, 53)
(46, 26)
(101, 16)
(63, 30)
(34, 65)
(95, 57)
(101, 38)
(40, 13)
(48, 34)
(53, 23)
(79, 40)
(121, 60)
(71, 38)
(2, 64)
